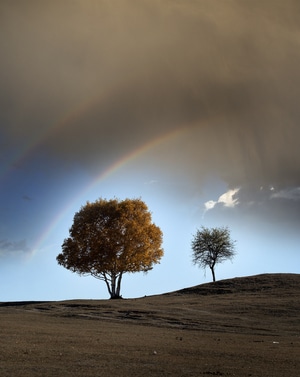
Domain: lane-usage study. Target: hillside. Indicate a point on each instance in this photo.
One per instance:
(246, 326)
(257, 283)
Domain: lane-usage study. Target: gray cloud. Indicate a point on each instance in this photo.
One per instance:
(26, 198)
(145, 68)
(10, 248)
(259, 213)
(289, 194)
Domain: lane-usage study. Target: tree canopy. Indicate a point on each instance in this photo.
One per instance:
(109, 238)
(212, 246)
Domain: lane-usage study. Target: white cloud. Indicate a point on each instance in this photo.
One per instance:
(152, 182)
(209, 205)
(227, 200)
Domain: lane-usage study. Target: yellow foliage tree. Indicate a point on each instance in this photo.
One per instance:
(109, 238)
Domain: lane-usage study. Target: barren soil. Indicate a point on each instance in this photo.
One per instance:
(239, 327)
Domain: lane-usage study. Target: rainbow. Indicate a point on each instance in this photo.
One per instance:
(111, 169)
(41, 134)
(66, 119)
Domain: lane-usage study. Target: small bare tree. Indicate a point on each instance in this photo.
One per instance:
(212, 246)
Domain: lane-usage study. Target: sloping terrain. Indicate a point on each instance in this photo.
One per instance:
(246, 326)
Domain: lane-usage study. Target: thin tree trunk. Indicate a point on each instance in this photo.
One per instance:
(108, 285)
(119, 285)
(113, 286)
(213, 273)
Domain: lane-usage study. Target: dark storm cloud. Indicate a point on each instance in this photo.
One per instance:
(144, 68)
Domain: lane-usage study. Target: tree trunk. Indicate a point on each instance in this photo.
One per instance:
(115, 286)
(119, 285)
(107, 284)
(213, 273)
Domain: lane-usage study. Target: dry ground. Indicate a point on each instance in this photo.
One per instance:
(238, 327)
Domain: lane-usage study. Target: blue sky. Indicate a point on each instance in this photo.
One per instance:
(191, 107)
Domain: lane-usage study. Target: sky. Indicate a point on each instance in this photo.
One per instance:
(192, 106)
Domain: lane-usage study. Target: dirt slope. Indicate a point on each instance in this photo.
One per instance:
(246, 326)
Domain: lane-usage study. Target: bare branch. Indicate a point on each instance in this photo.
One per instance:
(212, 246)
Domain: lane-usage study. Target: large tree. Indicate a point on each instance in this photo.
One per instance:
(212, 246)
(109, 238)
